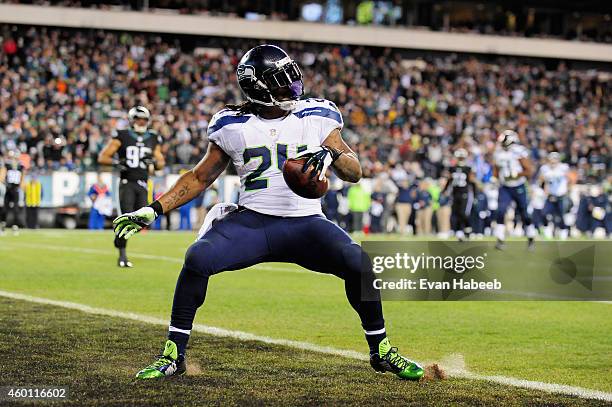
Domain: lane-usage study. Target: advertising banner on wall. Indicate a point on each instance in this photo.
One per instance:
(63, 188)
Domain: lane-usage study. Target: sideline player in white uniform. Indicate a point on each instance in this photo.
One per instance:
(271, 223)
(554, 175)
(512, 168)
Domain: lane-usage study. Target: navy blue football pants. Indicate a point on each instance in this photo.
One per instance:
(554, 211)
(506, 196)
(245, 238)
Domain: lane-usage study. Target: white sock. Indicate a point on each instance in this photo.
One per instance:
(183, 331)
(500, 231)
(378, 332)
(531, 231)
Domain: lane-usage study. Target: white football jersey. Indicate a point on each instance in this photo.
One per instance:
(492, 194)
(509, 165)
(259, 147)
(555, 178)
(538, 197)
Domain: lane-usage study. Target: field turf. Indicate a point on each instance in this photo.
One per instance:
(557, 342)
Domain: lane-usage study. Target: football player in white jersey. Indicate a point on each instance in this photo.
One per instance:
(271, 223)
(512, 169)
(554, 175)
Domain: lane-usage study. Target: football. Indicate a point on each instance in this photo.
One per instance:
(300, 182)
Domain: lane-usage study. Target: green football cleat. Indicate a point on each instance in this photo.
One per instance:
(168, 364)
(389, 360)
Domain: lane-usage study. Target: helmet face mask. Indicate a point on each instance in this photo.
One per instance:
(461, 155)
(269, 77)
(136, 113)
(554, 158)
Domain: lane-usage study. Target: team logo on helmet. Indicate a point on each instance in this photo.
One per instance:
(246, 72)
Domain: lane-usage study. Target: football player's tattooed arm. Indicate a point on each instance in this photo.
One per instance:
(160, 161)
(347, 166)
(107, 153)
(193, 182)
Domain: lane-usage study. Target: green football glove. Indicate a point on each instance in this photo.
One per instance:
(129, 223)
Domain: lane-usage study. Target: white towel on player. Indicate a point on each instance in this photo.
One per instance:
(217, 212)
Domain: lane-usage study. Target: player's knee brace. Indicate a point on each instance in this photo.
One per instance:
(120, 242)
(201, 258)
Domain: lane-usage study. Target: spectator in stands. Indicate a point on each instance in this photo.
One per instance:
(401, 115)
(403, 206)
(99, 194)
(423, 208)
(185, 216)
(377, 209)
(359, 201)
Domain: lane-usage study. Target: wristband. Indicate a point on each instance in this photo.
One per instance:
(335, 154)
(157, 208)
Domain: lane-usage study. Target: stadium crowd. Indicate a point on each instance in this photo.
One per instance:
(62, 92)
(571, 21)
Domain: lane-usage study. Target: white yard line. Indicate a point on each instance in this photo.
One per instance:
(458, 370)
(176, 260)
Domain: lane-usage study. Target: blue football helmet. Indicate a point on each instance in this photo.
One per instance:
(268, 76)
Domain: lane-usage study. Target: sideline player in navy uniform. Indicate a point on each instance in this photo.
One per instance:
(512, 168)
(137, 148)
(462, 180)
(12, 175)
(271, 223)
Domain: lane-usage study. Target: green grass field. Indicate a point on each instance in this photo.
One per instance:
(557, 342)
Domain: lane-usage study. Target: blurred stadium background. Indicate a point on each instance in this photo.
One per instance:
(414, 79)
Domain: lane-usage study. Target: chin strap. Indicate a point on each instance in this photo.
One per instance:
(286, 105)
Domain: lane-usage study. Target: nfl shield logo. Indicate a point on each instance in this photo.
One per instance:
(139, 139)
(273, 134)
